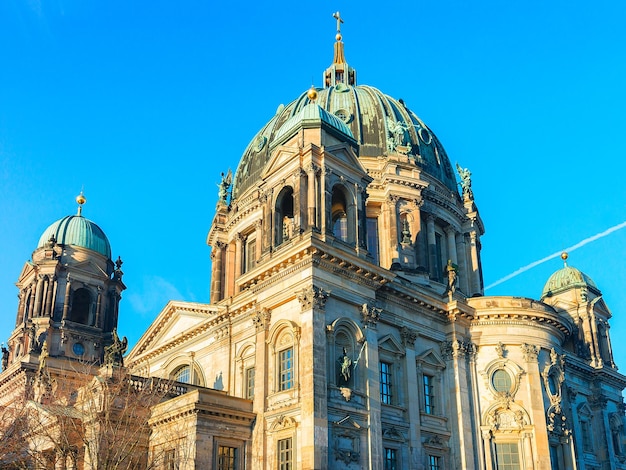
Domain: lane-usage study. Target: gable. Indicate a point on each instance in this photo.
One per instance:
(390, 344)
(175, 320)
(431, 357)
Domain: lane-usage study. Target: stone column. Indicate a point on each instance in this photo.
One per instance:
(475, 267)
(20, 307)
(217, 274)
(98, 307)
(238, 260)
(299, 210)
(464, 277)
(38, 295)
(536, 409)
(486, 435)
(258, 230)
(432, 247)
(455, 352)
(325, 203)
(314, 445)
(413, 386)
(66, 302)
(48, 310)
(311, 206)
(451, 238)
(370, 316)
(261, 318)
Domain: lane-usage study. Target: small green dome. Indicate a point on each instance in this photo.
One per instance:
(78, 231)
(565, 279)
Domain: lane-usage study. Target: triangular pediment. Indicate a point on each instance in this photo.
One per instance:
(346, 155)
(431, 357)
(176, 320)
(391, 344)
(89, 266)
(27, 270)
(280, 159)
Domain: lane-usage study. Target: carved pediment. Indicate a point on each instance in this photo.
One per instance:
(390, 344)
(432, 358)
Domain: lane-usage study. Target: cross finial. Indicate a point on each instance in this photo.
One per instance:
(337, 16)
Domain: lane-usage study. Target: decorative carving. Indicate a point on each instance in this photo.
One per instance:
(408, 336)
(346, 392)
(456, 348)
(222, 332)
(261, 319)
(396, 130)
(530, 352)
(313, 297)
(501, 350)
(370, 315)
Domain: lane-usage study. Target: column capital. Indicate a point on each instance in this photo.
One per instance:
(313, 297)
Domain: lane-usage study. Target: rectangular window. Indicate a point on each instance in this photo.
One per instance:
(285, 454)
(385, 383)
(286, 369)
(249, 254)
(372, 238)
(507, 456)
(250, 382)
(169, 459)
(429, 394)
(391, 459)
(434, 462)
(226, 458)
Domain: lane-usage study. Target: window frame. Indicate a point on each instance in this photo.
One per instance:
(289, 452)
(386, 386)
(286, 375)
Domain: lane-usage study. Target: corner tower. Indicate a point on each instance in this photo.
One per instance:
(68, 295)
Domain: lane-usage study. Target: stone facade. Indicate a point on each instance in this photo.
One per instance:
(348, 326)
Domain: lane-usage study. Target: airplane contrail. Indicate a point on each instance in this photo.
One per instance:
(558, 253)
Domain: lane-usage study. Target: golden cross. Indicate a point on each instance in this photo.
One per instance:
(337, 16)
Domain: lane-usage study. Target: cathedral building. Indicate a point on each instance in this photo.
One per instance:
(347, 325)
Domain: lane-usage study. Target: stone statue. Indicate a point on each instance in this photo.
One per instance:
(5, 358)
(346, 363)
(451, 271)
(396, 129)
(406, 231)
(43, 357)
(225, 186)
(466, 181)
(114, 353)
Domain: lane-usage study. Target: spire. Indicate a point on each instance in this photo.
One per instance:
(339, 71)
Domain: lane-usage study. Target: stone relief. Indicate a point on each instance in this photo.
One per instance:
(313, 297)
(370, 315)
(261, 319)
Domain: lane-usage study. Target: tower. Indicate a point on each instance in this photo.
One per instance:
(69, 295)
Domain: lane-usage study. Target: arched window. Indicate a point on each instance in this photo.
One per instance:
(339, 215)
(283, 215)
(81, 306)
(184, 375)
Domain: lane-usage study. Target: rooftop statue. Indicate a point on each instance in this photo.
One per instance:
(466, 181)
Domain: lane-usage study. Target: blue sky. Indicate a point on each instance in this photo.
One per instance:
(146, 103)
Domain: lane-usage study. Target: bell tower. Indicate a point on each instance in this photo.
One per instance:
(69, 295)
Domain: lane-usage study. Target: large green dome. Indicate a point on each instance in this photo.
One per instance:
(565, 279)
(379, 124)
(78, 231)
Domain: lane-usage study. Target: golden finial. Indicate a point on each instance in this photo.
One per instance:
(81, 199)
(564, 257)
(312, 93)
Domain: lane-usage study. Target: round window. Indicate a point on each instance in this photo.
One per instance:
(78, 349)
(501, 381)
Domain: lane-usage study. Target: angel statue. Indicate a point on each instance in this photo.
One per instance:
(225, 186)
(466, 181)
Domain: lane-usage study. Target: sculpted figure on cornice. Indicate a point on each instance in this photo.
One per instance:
(313, 297)
(370, 315)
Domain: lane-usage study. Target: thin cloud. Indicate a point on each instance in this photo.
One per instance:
(153, 295)
(558, 253)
